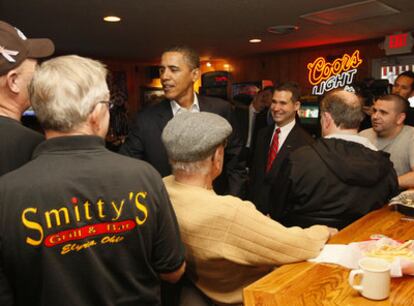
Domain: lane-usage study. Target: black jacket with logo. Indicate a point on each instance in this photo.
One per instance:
(80, 225)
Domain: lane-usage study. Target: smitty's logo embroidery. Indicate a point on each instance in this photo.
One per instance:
(89, 231)
(55, 218)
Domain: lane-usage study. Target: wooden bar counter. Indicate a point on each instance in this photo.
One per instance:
(327, 284)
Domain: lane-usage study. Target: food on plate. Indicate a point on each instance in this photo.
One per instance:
(390, 252)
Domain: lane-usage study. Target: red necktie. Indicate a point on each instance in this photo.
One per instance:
(273, 150)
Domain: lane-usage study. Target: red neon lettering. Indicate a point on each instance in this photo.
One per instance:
(221, 79)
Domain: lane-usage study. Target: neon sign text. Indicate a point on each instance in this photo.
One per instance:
(321, 70)
(326, 76)
(340, 80)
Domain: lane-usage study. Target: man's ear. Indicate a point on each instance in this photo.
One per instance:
(12, 81)
(327, 120)
(94, 118)
(218, 157)
(400, 118)
(297, 105)
(195, 74)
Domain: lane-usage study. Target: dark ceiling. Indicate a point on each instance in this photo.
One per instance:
(216, 28)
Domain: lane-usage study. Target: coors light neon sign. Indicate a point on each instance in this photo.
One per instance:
(326, 76)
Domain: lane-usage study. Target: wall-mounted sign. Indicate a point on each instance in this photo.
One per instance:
(326, 76)
(398, 43)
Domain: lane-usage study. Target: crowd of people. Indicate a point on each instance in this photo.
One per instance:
(202, 195)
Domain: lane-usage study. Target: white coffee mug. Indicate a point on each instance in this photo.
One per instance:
(375, 283)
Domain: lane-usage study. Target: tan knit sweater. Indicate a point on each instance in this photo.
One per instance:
(229, 244)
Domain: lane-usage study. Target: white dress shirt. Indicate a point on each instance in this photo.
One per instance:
(284, 132)
(176, 108)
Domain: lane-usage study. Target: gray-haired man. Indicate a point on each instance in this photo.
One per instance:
(96, 227)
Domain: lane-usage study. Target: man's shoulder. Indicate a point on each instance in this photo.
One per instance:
(368, 133)
(213, 103)
(300, 133)
(15, 128)
(131, 165)
(115, 164)
(408, 130)
(151, 111)
(304, 151)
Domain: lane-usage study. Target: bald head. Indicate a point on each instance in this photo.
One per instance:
(344, 107)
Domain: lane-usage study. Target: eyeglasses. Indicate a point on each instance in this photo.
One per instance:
(109, 103)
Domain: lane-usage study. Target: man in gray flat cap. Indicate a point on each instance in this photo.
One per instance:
(229, 244)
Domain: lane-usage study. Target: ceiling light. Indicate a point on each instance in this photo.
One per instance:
(255, 40)
(208, 64)
(282, 29)
(112, 18)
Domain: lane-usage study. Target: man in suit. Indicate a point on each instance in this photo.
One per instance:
(275, 142)
(179, 70)
(251, 119)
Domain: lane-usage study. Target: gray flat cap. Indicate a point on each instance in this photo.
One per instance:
(190, 137)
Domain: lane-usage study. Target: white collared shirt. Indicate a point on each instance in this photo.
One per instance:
(284, 132)
(176, 108)
(354, 138)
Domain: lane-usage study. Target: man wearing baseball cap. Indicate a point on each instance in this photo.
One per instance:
(18, 60)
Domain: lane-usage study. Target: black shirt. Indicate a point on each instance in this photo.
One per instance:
(17, 144)
(80, 225)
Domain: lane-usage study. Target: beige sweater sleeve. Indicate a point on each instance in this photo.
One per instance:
(254, 239)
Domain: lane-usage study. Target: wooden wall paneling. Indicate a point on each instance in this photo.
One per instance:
(288, 65)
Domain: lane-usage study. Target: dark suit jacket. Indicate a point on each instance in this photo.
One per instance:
(144, 142)
(242, 118)
(260, 181)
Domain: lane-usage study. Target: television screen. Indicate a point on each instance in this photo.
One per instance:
(309, 113)
(244, 92)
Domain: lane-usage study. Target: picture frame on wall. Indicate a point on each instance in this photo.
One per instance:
(152, 96)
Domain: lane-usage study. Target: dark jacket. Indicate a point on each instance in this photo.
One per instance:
(332, 182)
(242, 119)
(260, 181)
(89, 227)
